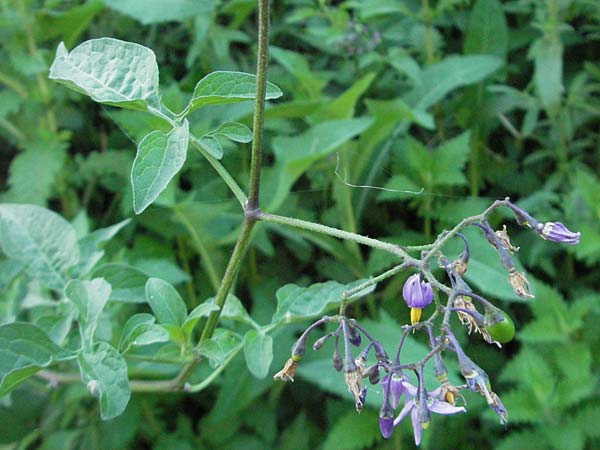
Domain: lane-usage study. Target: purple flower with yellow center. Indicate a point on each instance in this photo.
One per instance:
(557, 232)
(420, 404)
(417, 295)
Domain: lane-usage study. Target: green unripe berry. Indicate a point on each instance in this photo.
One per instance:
(501, 328)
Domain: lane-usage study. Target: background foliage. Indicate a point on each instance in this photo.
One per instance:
(448, 104)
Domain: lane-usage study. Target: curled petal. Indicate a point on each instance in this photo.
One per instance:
(440, 407)
(417, 429)
(408, 406)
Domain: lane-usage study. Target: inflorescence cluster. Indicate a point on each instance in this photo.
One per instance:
(420, 289)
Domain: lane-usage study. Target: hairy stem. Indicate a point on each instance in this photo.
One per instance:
(335, 232)
(259, 103)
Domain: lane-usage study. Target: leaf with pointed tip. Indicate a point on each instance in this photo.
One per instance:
(237, 132)
(90, 248)
(228, 87)
(41, 239)
(157, 11)
(110, 71)
(24, 350)
(128, 283)
(89, 297)
(202, 310)
(104, 371)
(159, 157)
(212, 350)
(166, 303)
(139, 330)
(258, 351)
(211, 145)
(295, 302)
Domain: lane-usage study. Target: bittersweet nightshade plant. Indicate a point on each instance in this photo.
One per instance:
(45, 247)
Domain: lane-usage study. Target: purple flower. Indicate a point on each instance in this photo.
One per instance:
(557, 232)
(417, 295)
(393, 387)
(386, 426)
(421, 405)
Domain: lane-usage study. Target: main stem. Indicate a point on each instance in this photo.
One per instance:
(259, 103)
(251, 207)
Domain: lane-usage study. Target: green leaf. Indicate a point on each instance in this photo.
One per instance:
(104, 371)
(237, 132)
(24, 350)
(228, 87)
(166, 303)
(211, 145)
(90, 247)
(159, 157)
(212, 350)
(449, 160)
(202, 310)
(69, 24)
(547, 57)
(32, 172)
(128, 283)
(354, 432)
(89, 297)
(157, 11)
(110, 71)
(258, 351)
(294, 155)
(451, 73)
(141, 330)
(588, 418)
(343, 107)
(487, 32)
(41, 239)
(295, 302)
(565, 436)
(233, 309)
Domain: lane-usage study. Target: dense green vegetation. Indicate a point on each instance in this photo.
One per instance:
(123, 198)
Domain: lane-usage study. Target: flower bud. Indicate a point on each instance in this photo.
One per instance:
(337, 359)
(557, 232)
(354, 336)
(386, 420)
(319, 342)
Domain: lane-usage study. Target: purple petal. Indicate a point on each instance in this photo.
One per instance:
(409, 388)
(386, 426)
(414, 417)
(444, 408)
(385, 386)
(408, 407)
(397, 388)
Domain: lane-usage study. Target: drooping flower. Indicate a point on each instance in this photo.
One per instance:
(288, 371)
(557, 232)
(520, 284)
(420, 404)
(417, 294)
